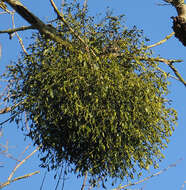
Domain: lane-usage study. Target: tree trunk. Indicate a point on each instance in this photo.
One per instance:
(179, 22)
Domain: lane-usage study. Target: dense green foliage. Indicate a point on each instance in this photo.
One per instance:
(98, 106)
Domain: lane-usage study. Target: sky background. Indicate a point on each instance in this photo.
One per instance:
(155, 21)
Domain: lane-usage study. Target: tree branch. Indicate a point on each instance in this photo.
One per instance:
(4, 7)
(5, 110)
(18, 178)
(5, 151)
(84, 181)
(170, 64)
(48, 30)
(162, 41)
(20, 163)
(19, 38)
(11, 31)
(147, 178)
(60, 16)
(175, 72)
(8, 109)
(180, 7)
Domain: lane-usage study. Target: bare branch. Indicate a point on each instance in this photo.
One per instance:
(59, 178)
(41, 187)
(177, 73)
(48, 30)
(162, 41)
(5, 151)
(11, 31)
(26, 148)
(20, 40)
(167, 74)
(147, 178)
(18, 165)
(8, 109)
(170, 64)
(5, 110)
(4, 7)
(22, 28)
(159, 59)
(18, 178)
(84, 181)
(7, 120)
(9, 181)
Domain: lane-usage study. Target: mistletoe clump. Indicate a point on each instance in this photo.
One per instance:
(98, 105)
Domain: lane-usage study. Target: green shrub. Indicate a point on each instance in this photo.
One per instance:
(98, 106)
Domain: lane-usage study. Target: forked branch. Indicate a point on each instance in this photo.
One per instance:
(10, 180)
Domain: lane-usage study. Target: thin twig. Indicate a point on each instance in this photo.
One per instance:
(167, 74)
(59, 178)
(20, 40)
(60, 16)
(149, 177)
(84, 181)
(43, 180)
(8, 109)
(177, 74)
(2, 13)
(6, 153)
(26, 148)
(4, 7)
(64, 174)
(49, 31)
(170, 64)
(11, 31)
(159, 59)
(18, 165)
(162, 41)
(18, 178)
(5, 110)
(2, 123)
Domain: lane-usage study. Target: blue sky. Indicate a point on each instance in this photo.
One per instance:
(156, 24)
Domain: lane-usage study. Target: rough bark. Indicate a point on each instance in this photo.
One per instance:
(179, 22)
(179, 27)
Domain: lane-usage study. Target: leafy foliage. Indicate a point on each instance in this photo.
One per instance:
(98, 106)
